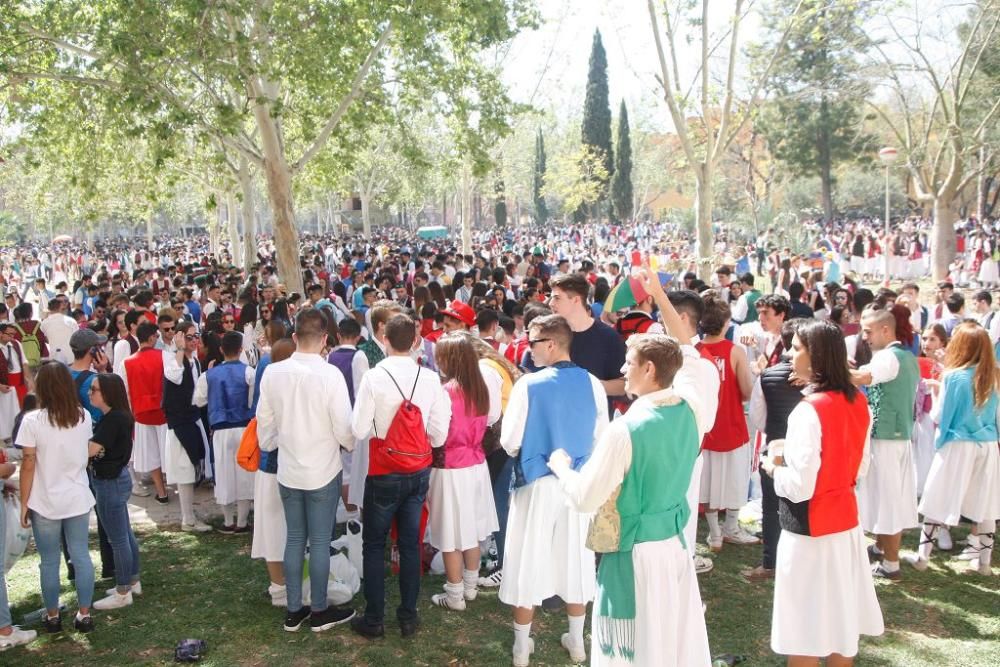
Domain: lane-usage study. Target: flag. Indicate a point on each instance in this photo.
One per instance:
(625, 295)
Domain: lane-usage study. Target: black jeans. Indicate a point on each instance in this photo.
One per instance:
(771, 527)
(389, 497)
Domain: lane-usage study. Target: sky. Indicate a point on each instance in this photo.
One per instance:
(547, 67)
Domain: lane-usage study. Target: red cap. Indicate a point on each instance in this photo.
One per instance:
(462, 312)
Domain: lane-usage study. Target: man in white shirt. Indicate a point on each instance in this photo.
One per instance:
(400, 495)
(58, 327)
(983, 303)
(304, 412)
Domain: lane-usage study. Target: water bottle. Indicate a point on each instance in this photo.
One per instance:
(35, 617)
(727, 660)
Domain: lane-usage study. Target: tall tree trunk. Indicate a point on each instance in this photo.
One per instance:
(234, 229)
(467, 221)
(149, 229)
(703, 220)
(249, 214)
(278, 177)
(366, 213)
(943, 236)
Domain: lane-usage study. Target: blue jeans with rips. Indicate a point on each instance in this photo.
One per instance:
(48, 533)
(388, 497)
(308, 515)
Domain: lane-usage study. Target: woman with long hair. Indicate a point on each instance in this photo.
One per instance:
(932, 350)
(111, 450)
(246, 324)
(964, 479)
(211, 338)
(824, 595)
(460, 497)
(437, 294)
(55, 495)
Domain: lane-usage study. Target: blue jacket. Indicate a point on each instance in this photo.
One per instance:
(228, 396)
(960, 418)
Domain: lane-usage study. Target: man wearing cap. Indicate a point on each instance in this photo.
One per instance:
(458, 316)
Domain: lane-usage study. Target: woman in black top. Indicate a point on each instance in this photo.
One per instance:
(111, 449)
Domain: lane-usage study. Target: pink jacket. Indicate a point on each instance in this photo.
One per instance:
(463, 447)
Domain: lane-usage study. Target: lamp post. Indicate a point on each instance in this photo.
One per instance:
(887, 156)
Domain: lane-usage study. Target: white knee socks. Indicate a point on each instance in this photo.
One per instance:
(522, 636)
(714, 530)
(576, 629)
(470, 581)
(986, 531)
(732, 521)
(186, 493)
(927, 540)
(242, 512)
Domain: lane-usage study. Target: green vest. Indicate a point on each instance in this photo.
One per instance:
(752, 298)
(892, 402)
(372, 351)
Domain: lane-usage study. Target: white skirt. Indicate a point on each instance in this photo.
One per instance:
(149, 445)
(269, 529)
(177, 464)
(988, 272)
(964, 481)
(669, 620)
(824, 596)
(694, 490)
(8, 412)
(232, 482)
(725, 478)
(887, 495)
(923, 450)
(359, 473)
(460, 502)
(546, 552)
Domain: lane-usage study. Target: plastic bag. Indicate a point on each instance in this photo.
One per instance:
(350, 542)
(16, 537)
(344, 582)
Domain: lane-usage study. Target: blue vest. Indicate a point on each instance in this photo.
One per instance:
(343, 359)
(228, 392)
(554, 393)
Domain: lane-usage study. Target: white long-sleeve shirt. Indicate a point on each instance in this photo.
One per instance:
(304, 411)
(377, 399)
(200, 397)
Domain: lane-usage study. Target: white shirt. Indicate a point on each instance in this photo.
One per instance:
(60, 489)
(15, 358)
(494, 385)
(377, 399)
(174, 372)
(58, 329)
(304, 411)
(884, 366)
(122, 351)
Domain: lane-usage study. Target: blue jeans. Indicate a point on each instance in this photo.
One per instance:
(389, 497)
(5, 618)
(48, 533)
(501, 498)
(112, 510)
(307, 514)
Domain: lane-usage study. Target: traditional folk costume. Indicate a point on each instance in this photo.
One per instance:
(144, 380)
(345, 358)
(648, 610)
(12, 365)
(546, 551)
(964, 479)
(269, 528)
(887, 496)
(226, 389)
(824, 595)
(725, 474)
(186, 439)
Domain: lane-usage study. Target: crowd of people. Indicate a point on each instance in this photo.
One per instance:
(425, 394)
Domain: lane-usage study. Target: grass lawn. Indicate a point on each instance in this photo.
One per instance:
(207, 587)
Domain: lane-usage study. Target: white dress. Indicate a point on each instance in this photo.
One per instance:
(824, 595)
(461, 507)
(269, 528)
(149, 445)
(232, 482)
(177, 464)
(725, 477)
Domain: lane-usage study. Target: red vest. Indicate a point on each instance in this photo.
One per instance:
(833, 507)
(633, 323)
(4, 369)
(144, 371)
(730, 429)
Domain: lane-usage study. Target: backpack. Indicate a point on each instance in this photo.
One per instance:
(248, 455)
(405, 448)
(30, 345)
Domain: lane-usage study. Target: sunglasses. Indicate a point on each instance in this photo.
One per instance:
(531, 343)
(229, 321)
(166, 329)
(192, 337)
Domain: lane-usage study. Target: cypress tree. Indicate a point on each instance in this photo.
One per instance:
(541, 210)
(597, 109)
(621, 181)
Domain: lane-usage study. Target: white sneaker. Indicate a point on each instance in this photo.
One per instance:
(136, 589)
(17, 637)
(141, 491)
(196, 527)
(739, 536)
(981, 568)
(470, 593)
(714, 543)
(524, 659)
(114, 601)
(944, 542)
(492, 580)
(442, 600)
(703, 564)
(578, 654)
(916, 561)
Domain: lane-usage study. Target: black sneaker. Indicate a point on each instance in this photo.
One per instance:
(409, 628)
(295, 619)
(83, 624)
(163, 500)
(227, 530)
(879, 572)
(53, 625)
(329, 617)
(361, 626)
